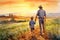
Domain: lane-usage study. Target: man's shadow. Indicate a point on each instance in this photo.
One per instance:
(33, 38)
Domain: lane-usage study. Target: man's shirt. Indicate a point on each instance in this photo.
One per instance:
(41, 13)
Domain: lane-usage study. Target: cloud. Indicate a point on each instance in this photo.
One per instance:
(6, 2)
(22, 1)
(27, 6)
(41, 0)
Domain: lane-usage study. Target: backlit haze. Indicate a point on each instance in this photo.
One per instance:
(28, 7)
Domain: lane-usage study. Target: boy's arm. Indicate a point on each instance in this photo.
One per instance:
(34, 22)
(29, 24)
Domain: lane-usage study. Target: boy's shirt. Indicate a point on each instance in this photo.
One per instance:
(31, 23)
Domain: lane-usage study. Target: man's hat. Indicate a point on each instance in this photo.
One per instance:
(40, 6)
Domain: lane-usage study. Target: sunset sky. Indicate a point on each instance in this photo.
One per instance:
(28, 7)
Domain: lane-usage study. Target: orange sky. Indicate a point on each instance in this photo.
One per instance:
(28, 7)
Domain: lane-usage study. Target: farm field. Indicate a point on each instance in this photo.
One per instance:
(21, 31)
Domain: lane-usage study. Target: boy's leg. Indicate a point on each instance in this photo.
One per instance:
(32, 29)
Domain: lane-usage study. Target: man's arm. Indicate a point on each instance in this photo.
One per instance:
(37, 15)
(35, 18)
(44, 15)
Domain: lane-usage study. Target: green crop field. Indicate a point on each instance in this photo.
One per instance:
(13, 30)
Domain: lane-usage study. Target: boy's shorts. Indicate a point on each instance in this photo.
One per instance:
(32, 29)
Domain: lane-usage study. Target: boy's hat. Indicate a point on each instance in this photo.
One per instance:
(32, 17)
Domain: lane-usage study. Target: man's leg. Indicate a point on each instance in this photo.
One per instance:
(40, 25)
(40, 30)
(43, 25)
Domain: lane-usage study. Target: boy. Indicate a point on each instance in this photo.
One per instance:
(31, 24)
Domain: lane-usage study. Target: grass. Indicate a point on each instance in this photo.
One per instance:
(14, 30)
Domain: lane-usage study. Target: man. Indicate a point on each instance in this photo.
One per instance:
(42, 18)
